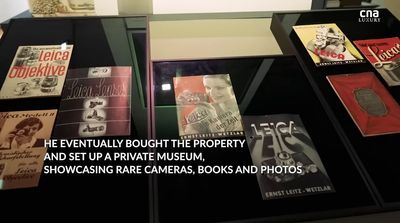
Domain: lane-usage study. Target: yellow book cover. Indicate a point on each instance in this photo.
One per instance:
(37, 71)
(327, 44)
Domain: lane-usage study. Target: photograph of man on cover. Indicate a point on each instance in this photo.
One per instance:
(23, 135)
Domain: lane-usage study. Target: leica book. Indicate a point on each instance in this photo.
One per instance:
(370, 105)
(327, 44)
(22, 151)
(207, 107)
(37, 71)
(96, 102)
(287, 160)
(384, 55)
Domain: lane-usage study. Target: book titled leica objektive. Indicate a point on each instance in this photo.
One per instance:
(370, 105)
(327, 44)
(37, 71)
(384, 55)
(288, 162)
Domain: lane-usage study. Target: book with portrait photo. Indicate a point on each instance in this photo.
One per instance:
(384, 55)
(37, 71)
(370, 105)
(22, 151)
(327, 44)
(96, 102)
(207, 107)
(287, 161)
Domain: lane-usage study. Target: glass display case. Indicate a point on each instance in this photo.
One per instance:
(263, 86)
(111, 41)
(371, 153)
(362, 169)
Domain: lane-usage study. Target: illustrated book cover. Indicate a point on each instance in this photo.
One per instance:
(95, 102)
(384, 55)
(207, 107)
(370, 105)
(22, 151)
(327, 44)
(287, 160)
(45, 8)
(37, 71)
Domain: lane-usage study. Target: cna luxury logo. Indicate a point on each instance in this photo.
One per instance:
(369, 16)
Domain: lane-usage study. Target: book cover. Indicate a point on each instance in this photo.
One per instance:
(327, 44)
(285, 156)
(370, 105)
(95, 102)
(37, 71)
(42, 8)
(207, 107)
(22, 151)
(384, 55)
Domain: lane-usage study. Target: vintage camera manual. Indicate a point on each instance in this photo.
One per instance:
(370, 105)
(287, 160)
(327, 44)
(207, 107)
(384, 55)
(37, 71)
(96, 102)
(22, 151)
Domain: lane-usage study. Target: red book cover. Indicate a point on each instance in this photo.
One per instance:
(370, 105)
(207, 107)
(384, 55)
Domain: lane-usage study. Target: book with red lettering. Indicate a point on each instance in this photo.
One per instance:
(37, 71)
(384, 55)
(327, 44)
(95, 102)
(370, 105)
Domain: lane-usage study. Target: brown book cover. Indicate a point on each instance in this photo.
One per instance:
(370, 105)
(207, 107)
(384, 55)
(22, 151)
(37, 71)
(327, 44)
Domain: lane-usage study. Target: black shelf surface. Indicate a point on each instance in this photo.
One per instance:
(378, 154)
(98, 41)
(271, 85)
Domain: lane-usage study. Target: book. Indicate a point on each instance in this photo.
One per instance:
(370, 105)
(384, 55)
(96, 101)
(42, 8)
(287, 161)
(327, 44)
(37, 71)
(207, 107)
(22, 151)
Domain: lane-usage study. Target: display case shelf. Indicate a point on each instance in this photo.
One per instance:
(263, 86)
